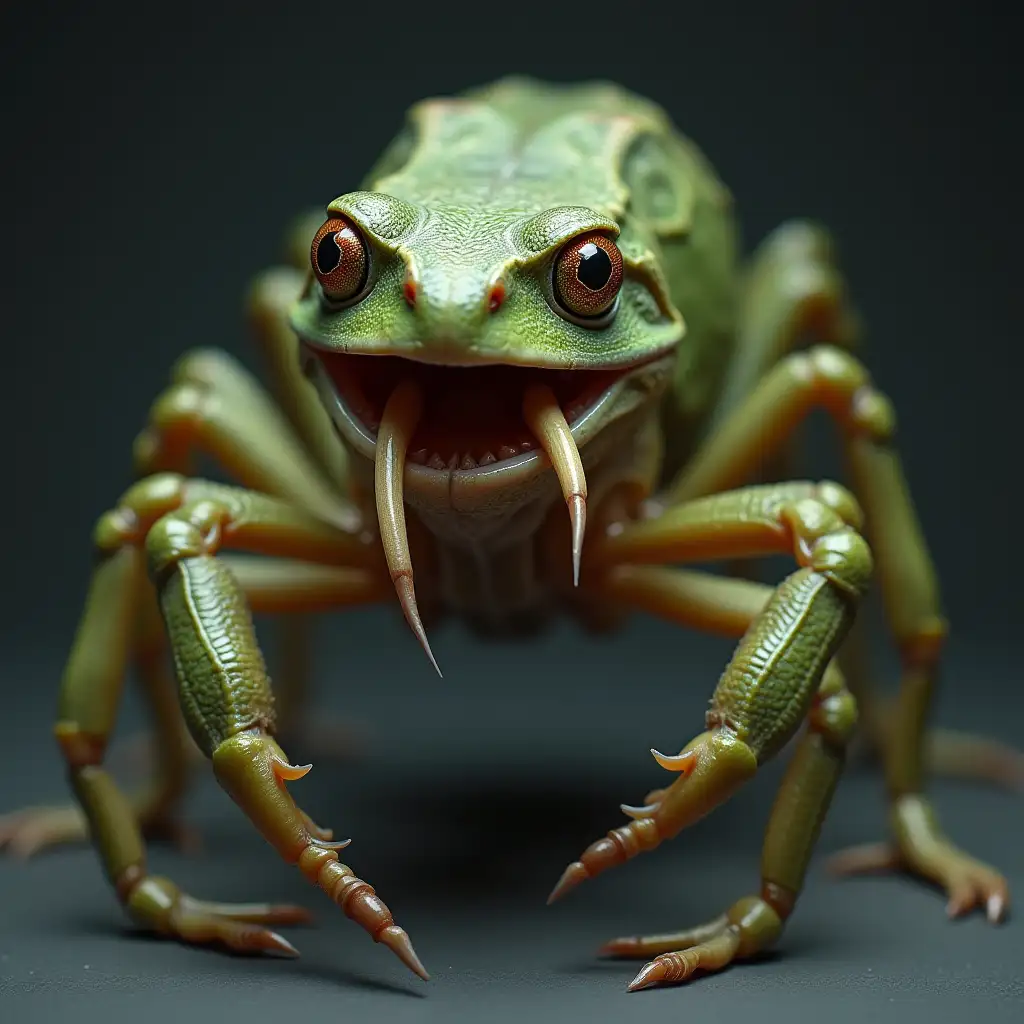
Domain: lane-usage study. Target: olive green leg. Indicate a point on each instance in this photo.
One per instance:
(28, 831)
(777, 678)
(795, 293)
(828, 378)
(213, 407)
(177, 527)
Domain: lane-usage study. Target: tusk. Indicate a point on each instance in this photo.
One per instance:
(397, 426)
(546, 420)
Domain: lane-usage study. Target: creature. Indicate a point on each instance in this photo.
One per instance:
(527, 360)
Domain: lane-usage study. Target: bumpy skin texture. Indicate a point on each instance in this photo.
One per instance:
(700, 380)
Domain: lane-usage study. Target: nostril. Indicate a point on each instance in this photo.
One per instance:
(497, 296)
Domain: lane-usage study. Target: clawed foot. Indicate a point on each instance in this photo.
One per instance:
(677, 955)
(242, 927)
(922, 850)
(748, 927)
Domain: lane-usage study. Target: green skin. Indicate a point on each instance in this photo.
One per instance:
(489, 188)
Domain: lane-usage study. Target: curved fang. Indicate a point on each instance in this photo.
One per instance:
(397, 426)
(546, 420)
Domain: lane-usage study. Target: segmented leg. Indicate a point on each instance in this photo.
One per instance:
(213, 407)
(27, 832)
(177, 527)
(769, 687)
(828, 378)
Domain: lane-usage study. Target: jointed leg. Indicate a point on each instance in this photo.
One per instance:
(216, 408)
(774, 681)
(834, 380)
(225, 693)
(28, 831)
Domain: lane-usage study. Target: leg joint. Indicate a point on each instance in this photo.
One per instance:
(825, 543)
(841, 383)
(758, 924)
(81, 749)
(139, 507)
(835, 718)
(186, 532)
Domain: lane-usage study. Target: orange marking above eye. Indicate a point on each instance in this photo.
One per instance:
(588, 275)
(340, 259)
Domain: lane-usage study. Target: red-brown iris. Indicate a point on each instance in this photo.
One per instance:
(340, 259)
(588, 275)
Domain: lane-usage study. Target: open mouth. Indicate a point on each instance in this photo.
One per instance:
(474, 422)
(472, 416)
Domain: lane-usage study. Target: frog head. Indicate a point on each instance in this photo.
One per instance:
(518, 337)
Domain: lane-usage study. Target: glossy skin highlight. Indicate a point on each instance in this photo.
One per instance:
(522, 371)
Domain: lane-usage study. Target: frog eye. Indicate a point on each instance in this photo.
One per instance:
(340, 259)
(588, 275)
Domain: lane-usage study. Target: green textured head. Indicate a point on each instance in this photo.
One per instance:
(482, 261)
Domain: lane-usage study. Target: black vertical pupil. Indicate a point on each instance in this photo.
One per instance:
(328, 254)
(595, 269)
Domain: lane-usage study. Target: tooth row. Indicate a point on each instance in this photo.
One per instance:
(455, 461)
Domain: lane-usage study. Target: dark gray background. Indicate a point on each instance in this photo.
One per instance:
(151, 164)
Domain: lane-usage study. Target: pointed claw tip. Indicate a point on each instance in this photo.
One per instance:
(398, 941)
(650, 974)
(571, 877)
(996, 908)
(282, 946)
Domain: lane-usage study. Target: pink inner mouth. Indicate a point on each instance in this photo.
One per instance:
(472, 415)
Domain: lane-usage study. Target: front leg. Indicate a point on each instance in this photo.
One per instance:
(178, 528)
(774, 681)
(829, 378)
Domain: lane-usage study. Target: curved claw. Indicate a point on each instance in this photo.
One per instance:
(684, 762)
(637, 813)
(712, 767)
